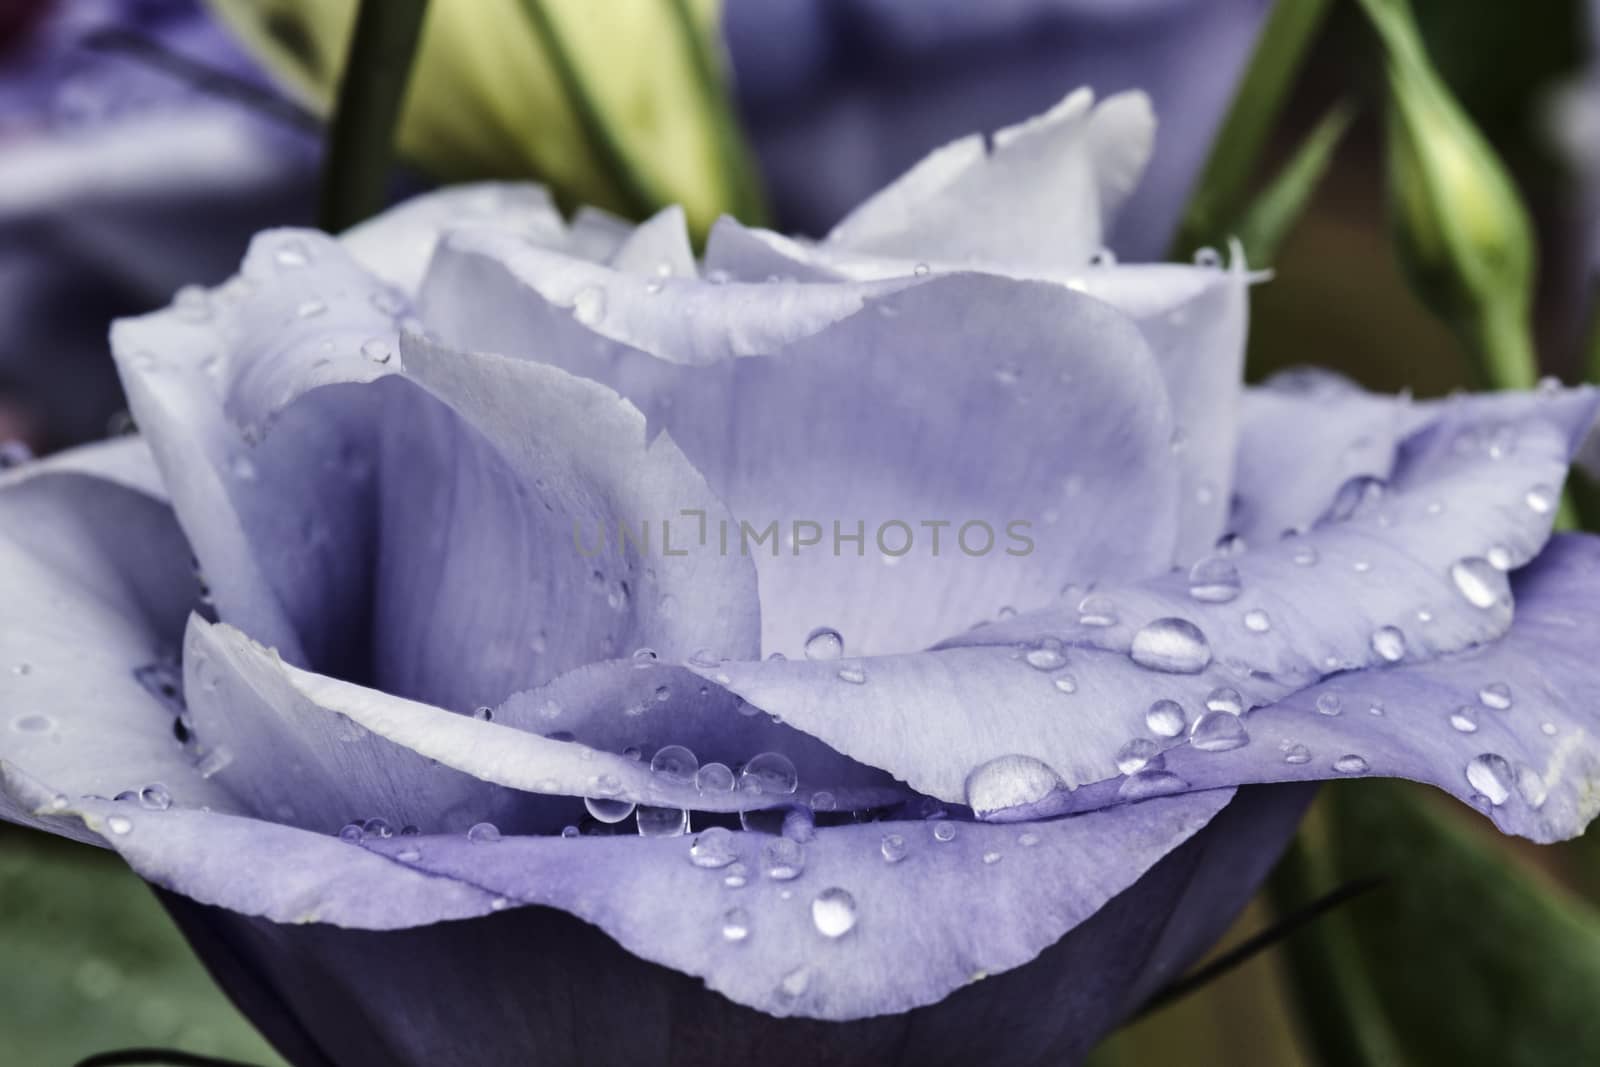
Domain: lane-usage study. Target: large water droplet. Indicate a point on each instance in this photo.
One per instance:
(675, 764)
(1136, 754)
(1479, 582)
(1165, 718)
(714, 778)
(770, 773)
(1173, 645)
(713, 848)
(155, 797)
(662, 822)
(1214, 581)
(833, 911)
(893, 847)
(1491, 775)
(1009, 782)
(783, 860)
(824, 644)
(483, 833)
(1350, 763)
(607, 809)
(1225, 699)
(1218, 731)
(1389, 643)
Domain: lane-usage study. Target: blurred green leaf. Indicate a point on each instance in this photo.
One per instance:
(1276, 209)
(1462, 956)
(360, 143)
(1219, 193)
(89, 962)
(1459, 225)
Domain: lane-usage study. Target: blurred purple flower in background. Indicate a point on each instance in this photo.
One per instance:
(123, 180)
(839, 96)
(576, 782)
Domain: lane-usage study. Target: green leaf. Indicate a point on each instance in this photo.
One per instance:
(1280, 205)
(1463, 955)
(89, 962)
(1219, 194)
(360, 142)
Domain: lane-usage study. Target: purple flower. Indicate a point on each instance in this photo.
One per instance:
(572, 665)
(839, 97)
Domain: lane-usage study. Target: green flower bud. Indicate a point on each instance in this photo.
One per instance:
(620, 105)
(1462, 232)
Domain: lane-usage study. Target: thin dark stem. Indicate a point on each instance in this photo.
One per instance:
(1258, 943)
(166, 1057)
(201, 76)
(371, 90)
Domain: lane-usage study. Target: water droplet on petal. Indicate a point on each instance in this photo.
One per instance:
(1136, 754)
(1218, 731)
(1047, 655)
(1097, 610)
(608, 810)
(1225, 699)
(824, 644)
(119, 824)
(782, 859)
(1465, 719)
(1389, 643)
(483, 833)
(735, 924)
(1165, 718)
(589, 305)
(714, 848)
(675, 763)
(944, 832)
(1151, 783)
(1496, 695)
(1351, 763)
(155, 797)
(770, 773)
(854, 675)
(1257, 621)
(1297, 754)
(377, 350)
(661, 822)
(1173, 645)
(1479, 582)
(1329, 704)
(1009, 782)
(1214, 581)
(1540, 500)
(1066, 683)
(714, 778)
(1491, 775)
(893, 847)
(833, 911)
(1531, 787)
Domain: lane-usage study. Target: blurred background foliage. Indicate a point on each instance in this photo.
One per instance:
(1472, 947)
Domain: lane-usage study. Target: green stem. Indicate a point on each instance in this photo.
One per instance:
(1257, 102)
(360, 143)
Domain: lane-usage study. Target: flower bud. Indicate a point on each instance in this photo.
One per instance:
(618, 105)
(1462, 233)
